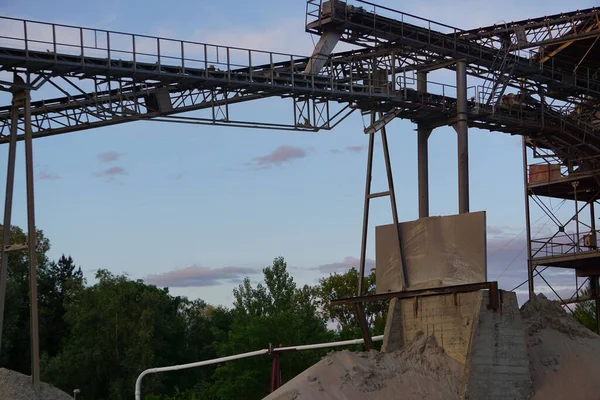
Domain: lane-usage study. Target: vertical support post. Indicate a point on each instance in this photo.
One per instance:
(392, 193)
(10, 183)
(423, 168)
(423, 154)
(594, 237)
(31, 233)
(358, 307)
(595, 292)
(530, 271)
(597, 279)
(363, 245)
(462, 130)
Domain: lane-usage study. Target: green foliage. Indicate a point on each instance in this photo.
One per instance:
(585, 312)
(119, 328)
(275, 312)
(337, 286)
(16, 352)
(99, 338)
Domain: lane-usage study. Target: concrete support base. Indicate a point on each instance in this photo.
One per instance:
(489, 344)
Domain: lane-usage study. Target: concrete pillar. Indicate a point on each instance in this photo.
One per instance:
(462, 130)
(423, 154)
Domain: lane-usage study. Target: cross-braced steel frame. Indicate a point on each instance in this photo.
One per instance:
(102, 78)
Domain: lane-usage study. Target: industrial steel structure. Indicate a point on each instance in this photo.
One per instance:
(538, 78)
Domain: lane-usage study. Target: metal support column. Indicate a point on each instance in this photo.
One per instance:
(597, 278)
(594, 293)
(423, 154)
(10, 180)
(392, 194)
(31, 234)
(368, 196)
(462, 130)
(365, 227)
(530, 271)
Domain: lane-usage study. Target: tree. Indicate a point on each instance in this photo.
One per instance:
(119, 328)
(275, 312)
(585, 312)
(59, 282)
(16, 348)
(337, 286)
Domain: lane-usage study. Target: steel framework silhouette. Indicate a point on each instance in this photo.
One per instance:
(538, 78)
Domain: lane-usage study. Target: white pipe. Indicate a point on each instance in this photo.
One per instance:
(138, 382)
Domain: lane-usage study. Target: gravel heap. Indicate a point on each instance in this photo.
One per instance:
(563, 354)
(16, 386)
(421, 370)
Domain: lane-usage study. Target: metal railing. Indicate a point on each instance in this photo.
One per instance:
(563, 244)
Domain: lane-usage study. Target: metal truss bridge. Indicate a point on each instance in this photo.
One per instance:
(538, 78)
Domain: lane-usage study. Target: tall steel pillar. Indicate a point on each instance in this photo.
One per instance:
(10, 180)
(462, 130)
(530, 271)
(31, 244)
(597, 279)
(423, 153)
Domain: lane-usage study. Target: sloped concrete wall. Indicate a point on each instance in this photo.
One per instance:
(490, 344)
(449, 318)
(498, 363)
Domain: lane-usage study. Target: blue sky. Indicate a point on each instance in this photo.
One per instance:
(149, 198)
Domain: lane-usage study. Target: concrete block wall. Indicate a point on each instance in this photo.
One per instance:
(449, 318)
(498, 363)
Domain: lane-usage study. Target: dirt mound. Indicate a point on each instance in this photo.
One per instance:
(563, 354)
(421, 370)
(16, 386)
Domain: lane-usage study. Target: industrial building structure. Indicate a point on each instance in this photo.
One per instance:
(538, 78)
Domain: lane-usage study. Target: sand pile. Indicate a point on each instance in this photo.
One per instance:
(564, 355)
(16, 386)
(421, 370)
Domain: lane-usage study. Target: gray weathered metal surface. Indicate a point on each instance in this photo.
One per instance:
(438, 251)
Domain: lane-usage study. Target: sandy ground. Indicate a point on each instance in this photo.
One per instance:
(564, 355)
(16, 386)
(421, 370)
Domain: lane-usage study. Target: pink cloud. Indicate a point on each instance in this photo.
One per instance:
(196, 276)
(111, 172)
(346, 264)
(109, 156)
(280, 155)
(356, 149)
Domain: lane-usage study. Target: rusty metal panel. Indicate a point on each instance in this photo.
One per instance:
(544, 172)
(438, 251)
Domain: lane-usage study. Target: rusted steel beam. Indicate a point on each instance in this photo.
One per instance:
(471, 287)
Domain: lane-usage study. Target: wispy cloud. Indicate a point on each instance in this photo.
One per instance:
(196, 276)
(109, 156)
(345, 265)
(176, 177)
(279, 156)
(47, 176)
(349, 149)
(111, 172)
(356, 149)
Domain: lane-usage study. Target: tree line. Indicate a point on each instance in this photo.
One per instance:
(99, 337)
